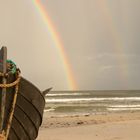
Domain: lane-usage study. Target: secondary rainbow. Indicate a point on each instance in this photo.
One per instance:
(118, 44)
(58, 44)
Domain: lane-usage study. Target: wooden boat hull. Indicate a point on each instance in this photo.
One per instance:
(28, 112)
(21, 103)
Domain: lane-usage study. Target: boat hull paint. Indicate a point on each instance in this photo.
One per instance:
(28, 112)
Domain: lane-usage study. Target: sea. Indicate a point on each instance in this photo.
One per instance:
(64, 103)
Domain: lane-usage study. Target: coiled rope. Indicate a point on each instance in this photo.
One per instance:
(11, 70)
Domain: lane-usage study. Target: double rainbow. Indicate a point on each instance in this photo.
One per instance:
(108, 18)
(118, 43)
(58, 44)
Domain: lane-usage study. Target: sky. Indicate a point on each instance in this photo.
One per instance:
(100, 41)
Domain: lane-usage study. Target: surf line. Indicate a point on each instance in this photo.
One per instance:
(72, 85)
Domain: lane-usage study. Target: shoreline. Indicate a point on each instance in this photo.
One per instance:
(87, 119)
(110, 126)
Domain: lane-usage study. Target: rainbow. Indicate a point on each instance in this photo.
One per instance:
(118, 44)
(58, 44)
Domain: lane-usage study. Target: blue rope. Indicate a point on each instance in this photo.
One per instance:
(13, 69)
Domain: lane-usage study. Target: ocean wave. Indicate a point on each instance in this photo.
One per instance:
(123, 109)
(65, 94)
(70, 100)
(49, 110)
(125, 106)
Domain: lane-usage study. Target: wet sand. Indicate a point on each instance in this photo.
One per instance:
(119, 126)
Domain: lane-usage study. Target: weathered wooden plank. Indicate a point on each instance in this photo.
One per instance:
(19, 130)
(33, 94)
(3, 59)
(26, 123)
(13, 135)
(23, 103)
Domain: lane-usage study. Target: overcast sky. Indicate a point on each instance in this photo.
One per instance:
(101, 39)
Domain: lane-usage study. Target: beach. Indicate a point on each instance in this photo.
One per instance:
(108, 126)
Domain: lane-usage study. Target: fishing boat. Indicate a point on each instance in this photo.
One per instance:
(21, 103)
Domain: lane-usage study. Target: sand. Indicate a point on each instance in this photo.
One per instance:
(119, 126)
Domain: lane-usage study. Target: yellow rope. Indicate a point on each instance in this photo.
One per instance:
(12, 112)
(15, 83)
(10, 84)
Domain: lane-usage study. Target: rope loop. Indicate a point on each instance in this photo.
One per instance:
(11, 69)
(13, 83)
